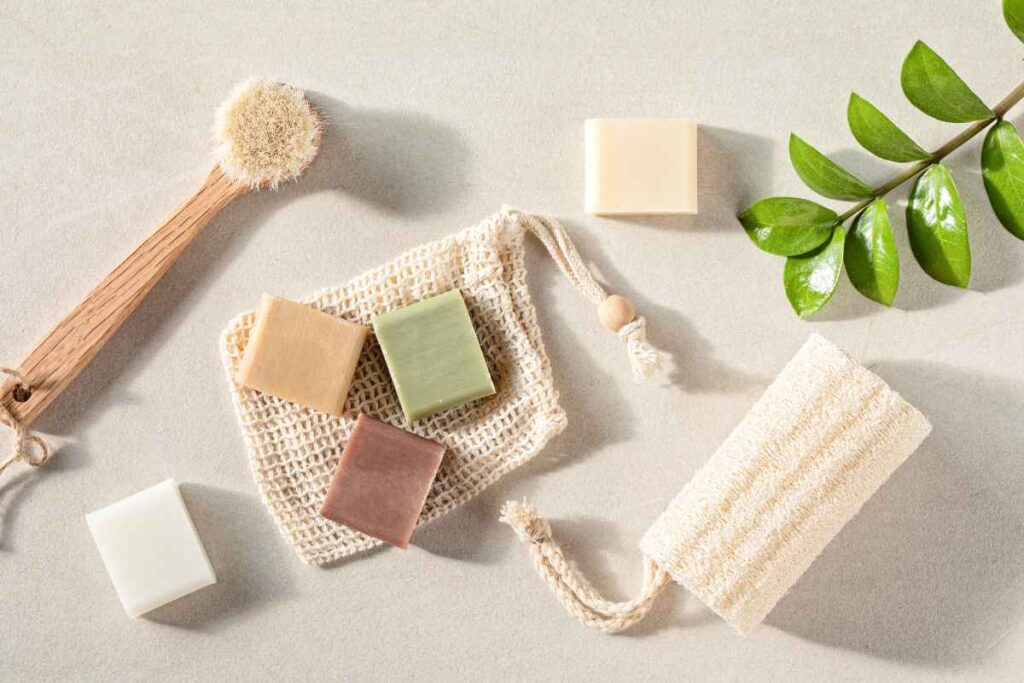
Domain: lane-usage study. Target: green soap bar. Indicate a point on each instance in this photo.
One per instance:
(433, 355)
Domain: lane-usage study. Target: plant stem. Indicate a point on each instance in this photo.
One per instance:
(938, 155)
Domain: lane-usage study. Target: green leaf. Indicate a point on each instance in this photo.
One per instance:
(870, 257)
(811, 279)
(934, 88)
(879, 135)
(787, 226)
(938, 228)
(823, 175)
(1013, 10)
(1002, 166)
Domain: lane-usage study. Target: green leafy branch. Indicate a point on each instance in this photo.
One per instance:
(815, 240)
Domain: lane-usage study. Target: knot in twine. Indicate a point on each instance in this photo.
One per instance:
(644, 359)
(524, 519)
(28, 448)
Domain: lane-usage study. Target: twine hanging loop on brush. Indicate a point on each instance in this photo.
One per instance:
(28, 448)
(616, 312)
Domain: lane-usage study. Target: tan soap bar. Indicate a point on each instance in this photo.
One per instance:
(641, 166)
(300, 354)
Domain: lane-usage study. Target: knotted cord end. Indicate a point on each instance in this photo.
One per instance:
(525, 521)
(644, 358)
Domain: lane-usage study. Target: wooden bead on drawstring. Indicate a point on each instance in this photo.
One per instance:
(616, 312)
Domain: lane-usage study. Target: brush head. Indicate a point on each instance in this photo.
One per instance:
(267, 133)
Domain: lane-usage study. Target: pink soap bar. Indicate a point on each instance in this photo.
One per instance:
(382, 481)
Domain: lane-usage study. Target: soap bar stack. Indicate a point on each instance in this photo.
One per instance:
(297, 353)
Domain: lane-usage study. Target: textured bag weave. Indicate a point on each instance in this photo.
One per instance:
(294, 451)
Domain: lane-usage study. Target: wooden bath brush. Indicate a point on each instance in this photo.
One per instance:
(266, 133)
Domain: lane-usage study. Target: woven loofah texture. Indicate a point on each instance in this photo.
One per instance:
(294, 451)
(267, 133)
(821, 440)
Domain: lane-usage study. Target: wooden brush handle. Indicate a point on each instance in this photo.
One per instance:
(68, 348)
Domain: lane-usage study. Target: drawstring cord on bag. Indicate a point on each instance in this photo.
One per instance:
(24, 441)
(570, 587)
(644, 358)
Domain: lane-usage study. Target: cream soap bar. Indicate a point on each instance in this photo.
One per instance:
(641, 166)
(433, 355)
(150, 548)
(302, 355)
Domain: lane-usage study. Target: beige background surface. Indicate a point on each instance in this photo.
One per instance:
(441, 112)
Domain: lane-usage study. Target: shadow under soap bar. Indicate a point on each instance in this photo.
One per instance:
(382, 481)
(300, 354)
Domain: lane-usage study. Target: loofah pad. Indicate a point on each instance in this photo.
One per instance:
(294, 451)
(815, 447)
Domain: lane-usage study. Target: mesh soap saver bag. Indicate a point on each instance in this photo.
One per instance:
(293, 451)
(814, 448)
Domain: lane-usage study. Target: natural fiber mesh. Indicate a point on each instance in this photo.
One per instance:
(294, 451)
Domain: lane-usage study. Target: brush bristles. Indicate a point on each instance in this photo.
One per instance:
(267, 133)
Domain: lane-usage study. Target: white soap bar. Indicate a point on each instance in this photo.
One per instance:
(150, 548)
(641, 166)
